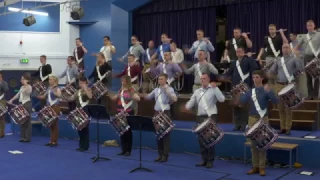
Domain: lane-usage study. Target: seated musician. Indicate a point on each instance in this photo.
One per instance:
(99, 73)
(258, 98)
(82, 98)
(3, 90)
(146, 60)
(205, 98)
(125, 98)
(24, 98)
(163, 96)
(52, 95)
(72, 73)
(285, 68)
(198, 69)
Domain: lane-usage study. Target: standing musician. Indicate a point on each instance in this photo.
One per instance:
(52, 96)
(164, 47)
(3, 89)
(164, 95)
(24, 98)
(43, 74)
(108, 49)
(146, 65)
(198, 69)
(203, 44)
(176, 53)
(82, 98)
(239, 40)
(99, 73)
(258, 98)
(79, 52)
(311, 45)
(72, 73)
(285, 68)
(240, 72)
(136, 49)
(126, 95)
(205, 98)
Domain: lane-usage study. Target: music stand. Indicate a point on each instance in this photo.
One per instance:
(140, 123)
(98, 112)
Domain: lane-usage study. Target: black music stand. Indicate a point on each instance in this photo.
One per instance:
(98, 112)
(140, 123)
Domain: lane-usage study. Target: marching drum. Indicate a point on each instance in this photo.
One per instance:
(162, 124)
(151, 74)
(312, 68)
(19, 114)
(290, 96)
(263, 134)
(99, 89)
(79, 119)
(268, 65)
(39, 87)
(120, 123)
(236, 92)
(47, 116)
(209, 133)
(67, 92)
(3, 109)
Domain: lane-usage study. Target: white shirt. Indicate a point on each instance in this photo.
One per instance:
(177, 56)
(24, 94)
(106, 50)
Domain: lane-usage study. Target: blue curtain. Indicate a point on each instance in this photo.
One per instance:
(286, 14)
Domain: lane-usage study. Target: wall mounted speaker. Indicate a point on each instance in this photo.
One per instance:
(77, 13)
(28, 21)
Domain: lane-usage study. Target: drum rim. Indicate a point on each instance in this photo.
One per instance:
(292, 85)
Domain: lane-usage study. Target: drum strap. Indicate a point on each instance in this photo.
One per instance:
(131, 52)
(162, 105)
(123, 103)
(285, 70)
(199, 70)
(1, 97)
(234, 42)
(291, 47)
(161, 53)
(82, 104)
(148, 55)
(261, 112)
(242, 76)
(204, 102)
(228, 58)
(51, 102)
(99, 74)
(76, 56)
(275, 53)
(68, 75)
(129, 74)
(315, 53)
(41, 76)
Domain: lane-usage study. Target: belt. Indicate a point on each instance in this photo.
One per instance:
(257, 116)
(283, 83)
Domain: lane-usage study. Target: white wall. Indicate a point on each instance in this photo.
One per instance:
(56, 46)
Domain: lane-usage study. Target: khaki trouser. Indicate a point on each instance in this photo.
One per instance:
(258, 156)
(271, 80)
(2, 120)
(302, 85)
(54, 129)
(135, 104)
(284, 113)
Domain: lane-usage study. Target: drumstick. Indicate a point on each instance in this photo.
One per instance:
(282, 30)
(251, 53)
(11, 104)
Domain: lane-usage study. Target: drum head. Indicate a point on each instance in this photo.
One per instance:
(254, 127)
(200, 126)
(286, 89)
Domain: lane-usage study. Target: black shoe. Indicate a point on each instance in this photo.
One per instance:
(282, 131)
(209, 165)
(164, 159)
(2, 136)
(127, 154)
(48, 144)
(78, 149)
(201, 164)
(158, 159)
(21, 140)
(53, 145)
(242, 128)
(288, 132)
(121, 153)
(83, 149)
(25, 141)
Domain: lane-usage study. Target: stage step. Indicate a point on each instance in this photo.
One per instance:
(298, 114)
(296, 124)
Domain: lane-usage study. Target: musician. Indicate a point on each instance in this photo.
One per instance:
(164, 95)
(125, 97)
(198, 69)
(24, 98)
(205, 98)
(225, 57)
(285, 68)
(146, 65)
(43, 74)
(311, 45)
(202, 43)
(3, 89)
(108, 49)
(136, 49)
(99, 73)
(82, 98)
(164, 47)
(52, 97)
(72, 73)
(176, 53)
(258, 98)
(239, 40)
(79, 53)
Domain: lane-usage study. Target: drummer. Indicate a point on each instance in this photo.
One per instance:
(286, 69)
(258, 98)
(205, 98)
(164, 95)
(146, 60)
(52, 95)
(24, 98)
(3, 89)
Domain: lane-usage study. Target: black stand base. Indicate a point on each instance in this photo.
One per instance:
(95, 159)
(140, 168)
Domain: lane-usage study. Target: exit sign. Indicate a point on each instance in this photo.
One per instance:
(24, 61)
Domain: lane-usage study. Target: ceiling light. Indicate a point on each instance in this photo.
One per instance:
(28, 11)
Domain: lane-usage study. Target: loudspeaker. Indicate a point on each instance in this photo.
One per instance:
(28, 21)
(77, 13)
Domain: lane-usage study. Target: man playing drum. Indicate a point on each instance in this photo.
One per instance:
(205, 98)
(163, 96)
(146, 60)
(286, 68)
(136, 49)
(258, 98)
(3, 89)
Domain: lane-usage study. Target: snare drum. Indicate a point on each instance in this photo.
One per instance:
(262, 134)
(120, 123)
(151, 74)
(236, 92)
(78, 119)
(3, 109)
(268, 65)
(313, 69)
(47, 116)
(162, 125)
(290, 96)
(39, 88)
(19, 114)
(99, 89)
(209, 133)
(67, 92)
